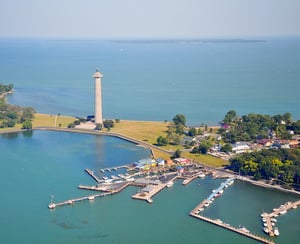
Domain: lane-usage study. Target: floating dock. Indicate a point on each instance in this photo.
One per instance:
(276, 212)
(91, 173)
(189, 180)
(115, 168)
(72, 201)
(231, 228)
(200, 207)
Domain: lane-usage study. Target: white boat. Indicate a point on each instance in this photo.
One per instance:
(264, 219)
(283, 212)
(51, 206)
(130, 179)
(276, 231)
(244, 229)
(170, 183)
(91, 197)
(266, 230)
(206, 204)
(202, 175)
(230, 182)
(263, 214)
(108, 181)
(149, 200)
(274, 220)
(295, 206)
(105, 178)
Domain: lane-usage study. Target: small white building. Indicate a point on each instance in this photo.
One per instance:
(240, 147)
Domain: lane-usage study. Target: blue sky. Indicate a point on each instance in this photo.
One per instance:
(149, 18)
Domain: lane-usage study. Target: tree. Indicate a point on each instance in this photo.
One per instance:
(229, 117)
(172, 136)
(71, 125)
(27, 114)
(162, 141)
(27, 125)
(108, 124)
(98, 126)
(226, 148)
(179, 119)
(77, 122)
(177, 154)
(204, 146)
(192, 132)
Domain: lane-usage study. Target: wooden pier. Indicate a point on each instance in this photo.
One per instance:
(91, 173)
(189, 180)
(72, 201)
(242, 231)
(115, 168)
(231, 228)
(147, 196)
(276, 212)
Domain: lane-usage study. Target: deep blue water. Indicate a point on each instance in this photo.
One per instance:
(155, 80)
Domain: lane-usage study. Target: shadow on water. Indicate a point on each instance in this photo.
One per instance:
(28, 133)
(93, 236)
(64, 225)
(12, 135)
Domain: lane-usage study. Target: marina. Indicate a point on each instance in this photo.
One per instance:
(114, 168)
(152, 184)
(205, 203)
(270, 218)
(240, 231)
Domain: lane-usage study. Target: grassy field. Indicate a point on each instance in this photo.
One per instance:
(147, 131)
(45, 120)
(206, 159)
(52, 120)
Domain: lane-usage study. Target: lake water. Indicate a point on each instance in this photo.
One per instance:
(36, 165)
(155, 80)
(142, 81)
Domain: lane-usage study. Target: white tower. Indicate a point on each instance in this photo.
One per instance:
(98, 98)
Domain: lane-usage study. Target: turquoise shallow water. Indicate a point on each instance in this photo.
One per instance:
(155, 80)
(35, 166)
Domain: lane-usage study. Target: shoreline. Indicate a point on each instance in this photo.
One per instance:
(222, 171)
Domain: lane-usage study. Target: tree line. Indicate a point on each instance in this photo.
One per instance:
(257, 126)
(280, 165)
(10, 115)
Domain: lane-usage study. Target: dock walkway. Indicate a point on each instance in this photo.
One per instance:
(91, 173)
(231, 228)
(72, 201)
(189, 180)
(242, 231)
(276, 212)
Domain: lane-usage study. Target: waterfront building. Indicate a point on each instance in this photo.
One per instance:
(98, 98)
